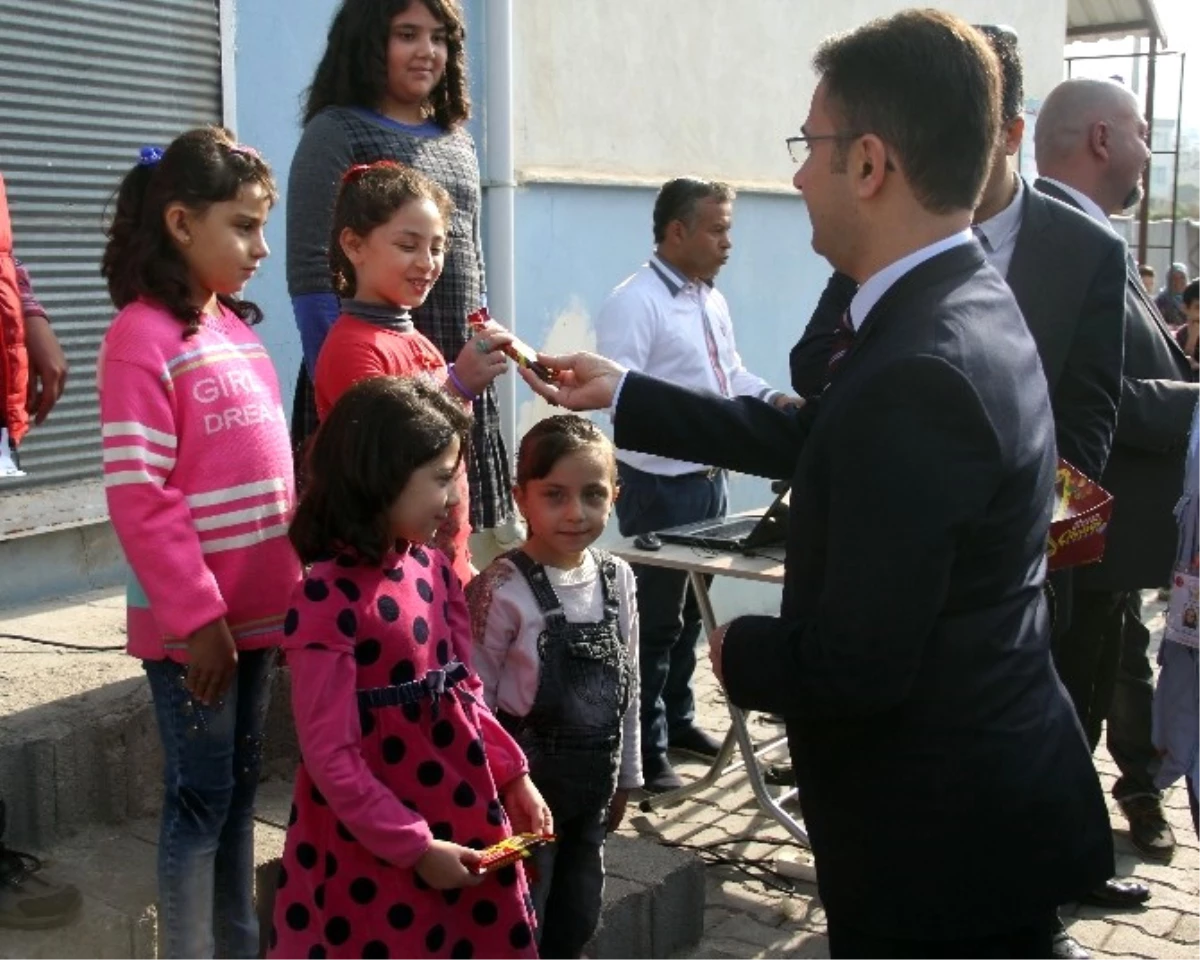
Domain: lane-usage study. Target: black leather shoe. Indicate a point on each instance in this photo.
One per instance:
(1118, 893)
(1148, 828)
(658, 776)
(695, 741)
(1067, 947)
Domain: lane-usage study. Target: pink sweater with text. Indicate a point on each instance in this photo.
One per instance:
(198, 476)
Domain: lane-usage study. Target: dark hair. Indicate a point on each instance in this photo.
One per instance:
(369, 196)
(1190, 294)
(353, 69)
(677, 200)
(927, 84)
(549, 440)
(199, 168)
(378, 433)
(1005, 45)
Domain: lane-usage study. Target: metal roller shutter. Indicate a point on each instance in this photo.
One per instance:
(83, 85)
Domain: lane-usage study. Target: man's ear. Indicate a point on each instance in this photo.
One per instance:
(867, 163)
(1014, 133)
(1098, 139)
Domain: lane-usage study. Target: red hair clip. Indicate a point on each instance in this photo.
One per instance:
(359, 169)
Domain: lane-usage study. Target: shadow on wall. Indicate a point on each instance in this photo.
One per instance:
(570, 332)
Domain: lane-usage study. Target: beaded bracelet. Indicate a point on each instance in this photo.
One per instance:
(460, 386)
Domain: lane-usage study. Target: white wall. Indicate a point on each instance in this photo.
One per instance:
(633, 90)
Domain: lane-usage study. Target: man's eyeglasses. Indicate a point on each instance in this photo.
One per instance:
(800, 147)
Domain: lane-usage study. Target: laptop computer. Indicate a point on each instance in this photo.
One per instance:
(735, 534)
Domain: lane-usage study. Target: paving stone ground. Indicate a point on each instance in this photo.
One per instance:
(744, 918)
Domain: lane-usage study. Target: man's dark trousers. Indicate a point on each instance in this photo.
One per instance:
(667, 613)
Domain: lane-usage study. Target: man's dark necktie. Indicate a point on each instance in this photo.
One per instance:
(843, 340)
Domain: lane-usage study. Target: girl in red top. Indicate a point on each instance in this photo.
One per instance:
(386, 252)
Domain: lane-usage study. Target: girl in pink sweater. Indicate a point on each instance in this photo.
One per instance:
(406, 774)
(198, 475)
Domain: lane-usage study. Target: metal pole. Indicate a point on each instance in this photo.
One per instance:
(1144, 214)
(1178, 129)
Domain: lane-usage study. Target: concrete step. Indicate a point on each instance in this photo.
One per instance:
(653, 901)
(79, 745)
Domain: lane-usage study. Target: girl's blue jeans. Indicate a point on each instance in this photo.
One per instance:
(211, 765)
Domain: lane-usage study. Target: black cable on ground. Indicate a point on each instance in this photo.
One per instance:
(753, 868)
(78, 648)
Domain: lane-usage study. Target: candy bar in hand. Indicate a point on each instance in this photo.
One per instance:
(519, 352)
(517, 847)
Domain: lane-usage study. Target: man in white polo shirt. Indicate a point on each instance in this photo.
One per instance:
(669, 321)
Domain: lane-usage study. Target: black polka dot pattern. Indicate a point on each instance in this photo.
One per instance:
(420, 630)
(475, 755)
(425, 591)
(367, 652)
(435, 938)
(389, 609)
(347, 623)
(464, 795)
(400, 916)
(446, 576)
(297, 916)
(403, 672)
(430, 773)
(317, 797)
(293, 815)
(443, 652)
(420, 556)
(319, 896)
(375, 949)
(484, 913)
(495, 813)
(393, 750)
(291, 620)
(463, 949)
(315, 645)
(317, 952)
(442, 830)
(345, 834)
(520, 936)
(366, 722)
(331, 865)
(363, 890)
(412, 712)
(282, 879)
(451, 896)
(507, 876)
(396, 574)
(316, 590)
(443, 734)
(337, 931)
(349, 589)
(306, 855)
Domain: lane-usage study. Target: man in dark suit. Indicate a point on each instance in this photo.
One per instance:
(1067, 274)
(1091, 151)
(947, 790)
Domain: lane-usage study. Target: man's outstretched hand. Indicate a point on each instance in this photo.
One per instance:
(585, 381)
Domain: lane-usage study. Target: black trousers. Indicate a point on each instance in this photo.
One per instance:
(1034, 940)
(1103, 660)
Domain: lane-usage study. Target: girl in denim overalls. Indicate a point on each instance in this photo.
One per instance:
(555, 627)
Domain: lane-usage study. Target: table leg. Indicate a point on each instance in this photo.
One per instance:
(738, 735)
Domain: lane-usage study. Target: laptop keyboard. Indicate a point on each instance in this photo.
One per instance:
(729, 530)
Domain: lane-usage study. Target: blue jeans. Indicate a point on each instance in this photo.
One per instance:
(211, 765)
(667, 611)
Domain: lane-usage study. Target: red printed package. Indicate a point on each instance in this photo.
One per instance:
(520, 352)
(1081, 512)
(517, 847)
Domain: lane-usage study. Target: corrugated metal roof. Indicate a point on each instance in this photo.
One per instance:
(1094, 19)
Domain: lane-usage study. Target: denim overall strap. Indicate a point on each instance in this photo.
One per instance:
(539, 583)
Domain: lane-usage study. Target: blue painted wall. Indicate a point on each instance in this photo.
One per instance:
(278, 46)
(575, 243)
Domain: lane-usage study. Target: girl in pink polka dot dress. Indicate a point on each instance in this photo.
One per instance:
(405, 773)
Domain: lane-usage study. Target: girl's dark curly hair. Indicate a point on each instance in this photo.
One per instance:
(377, 434)
(369, 197)
(201, 167)
(353, 70)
